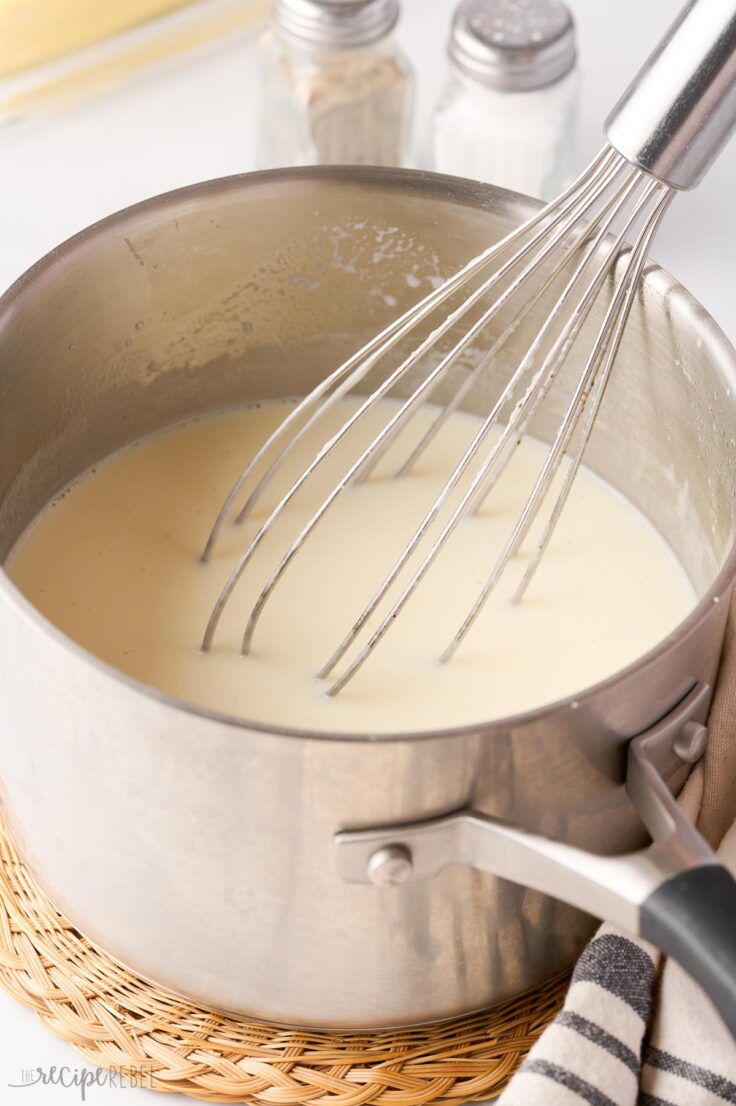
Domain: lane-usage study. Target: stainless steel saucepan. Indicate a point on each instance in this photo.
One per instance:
(349, 880)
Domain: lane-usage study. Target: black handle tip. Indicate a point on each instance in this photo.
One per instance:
(692, 917)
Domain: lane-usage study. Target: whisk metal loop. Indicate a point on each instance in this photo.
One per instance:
(389, 432)
(575, 227)
(632, 277)
(538, 388)
(569, 218)
(352, 371)
(580, 201)
(620, 306)
(536, 497)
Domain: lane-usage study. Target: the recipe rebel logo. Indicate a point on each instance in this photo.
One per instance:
(84, 1079)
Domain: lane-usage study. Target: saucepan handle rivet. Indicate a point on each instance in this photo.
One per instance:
(390, 864)
(690, 744)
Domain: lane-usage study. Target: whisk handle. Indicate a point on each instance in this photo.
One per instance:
(680, 110)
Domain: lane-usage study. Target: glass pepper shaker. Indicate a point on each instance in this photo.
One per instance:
(335, 87)
(508, 114)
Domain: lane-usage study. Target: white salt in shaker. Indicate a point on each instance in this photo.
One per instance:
(508, 113)
(335, 88)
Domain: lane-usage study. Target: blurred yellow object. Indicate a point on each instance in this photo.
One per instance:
(141, 34)
(34, 31)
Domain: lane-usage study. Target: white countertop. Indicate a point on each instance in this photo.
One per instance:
(193, 121)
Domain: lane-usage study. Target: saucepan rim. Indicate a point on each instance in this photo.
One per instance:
(439, 186)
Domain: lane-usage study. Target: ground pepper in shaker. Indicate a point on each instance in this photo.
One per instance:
(335, 87)
(508, 113)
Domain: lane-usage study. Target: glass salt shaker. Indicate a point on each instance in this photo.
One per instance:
(508, 114)
(335, 87)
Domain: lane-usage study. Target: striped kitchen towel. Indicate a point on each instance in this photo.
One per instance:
(634, 1032)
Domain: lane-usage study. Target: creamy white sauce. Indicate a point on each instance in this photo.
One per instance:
(115, 564)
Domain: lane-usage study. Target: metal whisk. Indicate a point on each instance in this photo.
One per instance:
(592, 241)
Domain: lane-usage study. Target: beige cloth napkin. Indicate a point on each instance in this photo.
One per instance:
(635, 1031)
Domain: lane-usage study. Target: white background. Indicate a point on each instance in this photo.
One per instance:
(62, 171)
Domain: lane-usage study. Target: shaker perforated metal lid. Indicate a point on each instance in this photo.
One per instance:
(513, 45)
(336, 24)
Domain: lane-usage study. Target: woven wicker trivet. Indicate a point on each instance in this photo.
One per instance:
(119, 1021)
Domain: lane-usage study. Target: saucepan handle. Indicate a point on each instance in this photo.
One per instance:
(673, 893)
(692, 917)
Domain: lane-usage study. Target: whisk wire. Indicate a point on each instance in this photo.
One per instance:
(344, 378)
(545, 375)
(632, 277)
(369, 353)
(553, 460)
(571, 241)
(555, 358)
(388, 433)
(547, 473)
(455, 401)
(579, 205)
(575, 211)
